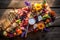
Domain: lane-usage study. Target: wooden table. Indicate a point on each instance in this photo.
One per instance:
(53, 34)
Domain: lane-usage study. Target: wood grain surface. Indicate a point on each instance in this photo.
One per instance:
(20, 3)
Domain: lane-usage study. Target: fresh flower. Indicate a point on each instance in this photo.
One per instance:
(41, 25)
(38, 6)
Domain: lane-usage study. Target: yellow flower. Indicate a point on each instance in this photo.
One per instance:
(37, 6)
(41, 25)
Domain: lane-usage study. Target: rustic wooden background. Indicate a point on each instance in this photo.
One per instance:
(53, 34)
(20, 3)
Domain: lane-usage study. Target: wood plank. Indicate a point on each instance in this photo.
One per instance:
(54, 34)
(20, 3)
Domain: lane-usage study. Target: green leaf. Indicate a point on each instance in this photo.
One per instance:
(44, 1)
(18, 21)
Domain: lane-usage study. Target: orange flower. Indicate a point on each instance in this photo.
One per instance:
(45, 5)
(53, 13)
(47, 20)
(19, 31)
(41, 25)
